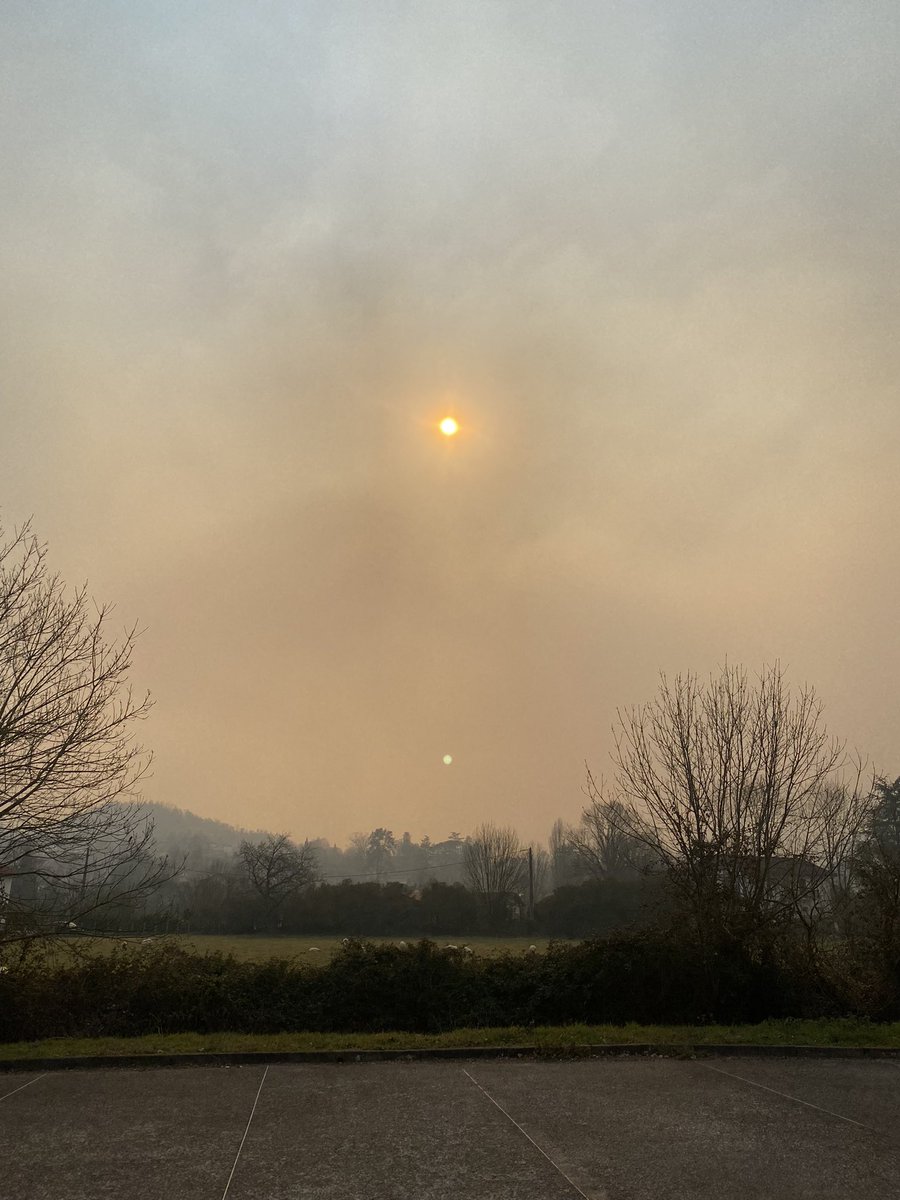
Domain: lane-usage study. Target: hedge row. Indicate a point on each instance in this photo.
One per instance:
(373, 987)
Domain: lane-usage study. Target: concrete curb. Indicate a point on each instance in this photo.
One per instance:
(249, 1058)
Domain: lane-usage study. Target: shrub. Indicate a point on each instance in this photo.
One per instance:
(600, 907)
(650, 978)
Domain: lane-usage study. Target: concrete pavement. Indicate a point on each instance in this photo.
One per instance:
(607, 1129)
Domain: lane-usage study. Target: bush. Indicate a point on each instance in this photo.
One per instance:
(600, 907)
(650, 978)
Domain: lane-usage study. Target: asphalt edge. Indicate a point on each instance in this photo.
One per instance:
(251, 1057)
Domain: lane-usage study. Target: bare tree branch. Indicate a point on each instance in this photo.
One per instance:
(738, 790)
(276, 869)
(71, 843)
(494, 865)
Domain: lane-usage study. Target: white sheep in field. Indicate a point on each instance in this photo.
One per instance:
(314, 950)
(467, 950)
(402, 945)
(532, 949)
(345, 941)
(449, 947)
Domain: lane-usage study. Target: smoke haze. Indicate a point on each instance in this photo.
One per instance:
(646, 254)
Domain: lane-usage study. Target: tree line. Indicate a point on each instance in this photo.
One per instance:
(730, 813)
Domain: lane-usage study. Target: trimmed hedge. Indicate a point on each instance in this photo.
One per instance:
(370, 987)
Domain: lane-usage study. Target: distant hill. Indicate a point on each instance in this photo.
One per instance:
(203, 839)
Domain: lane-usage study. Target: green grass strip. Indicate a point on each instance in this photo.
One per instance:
(847, 1032)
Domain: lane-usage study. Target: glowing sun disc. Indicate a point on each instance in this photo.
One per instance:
(448, 759)
(448, 427)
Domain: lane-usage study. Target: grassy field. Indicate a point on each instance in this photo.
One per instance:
(256, 948)
(550, 1038)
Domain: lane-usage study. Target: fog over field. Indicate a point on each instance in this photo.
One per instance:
(645, 254)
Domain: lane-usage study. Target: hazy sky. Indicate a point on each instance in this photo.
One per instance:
(647, 253)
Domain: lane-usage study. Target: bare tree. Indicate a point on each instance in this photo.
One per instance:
(70, 843)
(356, 854)
(495, 867)
(276, 869)
(604, 841)
(738, 790)
(380, 847)
(542, 872)
(565, 867)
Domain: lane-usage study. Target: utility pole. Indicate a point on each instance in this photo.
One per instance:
(530, 884)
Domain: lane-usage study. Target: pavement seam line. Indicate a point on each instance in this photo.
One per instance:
(556, 1166)
(246, 1131)
(21, 1086)
(786, 1096)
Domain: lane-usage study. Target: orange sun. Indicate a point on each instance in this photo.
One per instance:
(448, 427)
